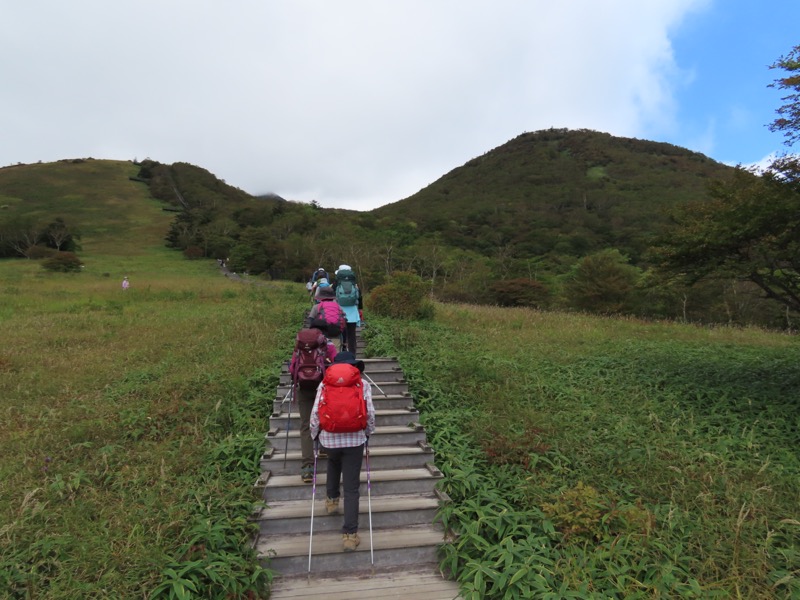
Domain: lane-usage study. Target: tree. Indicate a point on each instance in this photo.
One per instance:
(60, 236)
(749, 229)
(788, 121)
(603, 282)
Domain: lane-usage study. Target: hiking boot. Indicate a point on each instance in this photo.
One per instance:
(307, 473)
(350, 541)
(332, 505)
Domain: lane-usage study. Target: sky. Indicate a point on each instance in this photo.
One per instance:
(360, 103)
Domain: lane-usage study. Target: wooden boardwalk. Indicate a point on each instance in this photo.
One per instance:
(404, 502)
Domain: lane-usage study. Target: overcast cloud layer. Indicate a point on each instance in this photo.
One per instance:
(353, 103)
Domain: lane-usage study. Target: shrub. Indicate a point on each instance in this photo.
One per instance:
(193, 252)
(63, 262)
(520, 292)
(38, 252)
(404, 297)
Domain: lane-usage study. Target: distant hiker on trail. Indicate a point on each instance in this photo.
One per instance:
(318, 274)
(305, 401)
(342, 419)
(318, 278)
(125, 283)
(327, 313)
(349, 298)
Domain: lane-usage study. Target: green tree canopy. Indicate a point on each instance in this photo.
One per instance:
(750, 229)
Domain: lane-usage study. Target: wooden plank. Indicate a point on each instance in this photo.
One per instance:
(294, 508)
(331, 542)
(417, 585)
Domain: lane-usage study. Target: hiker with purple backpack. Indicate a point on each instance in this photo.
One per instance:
(313, 352)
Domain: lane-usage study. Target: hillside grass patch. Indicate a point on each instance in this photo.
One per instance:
(133, 423)
(595, 457)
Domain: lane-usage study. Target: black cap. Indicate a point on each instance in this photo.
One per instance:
(350, 359)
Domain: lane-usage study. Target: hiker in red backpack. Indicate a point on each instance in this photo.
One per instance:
(322, 354)
(327, 314)
(342, 420)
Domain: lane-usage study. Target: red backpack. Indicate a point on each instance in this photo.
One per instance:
(332, 314)
(308, 362)
(342, 407)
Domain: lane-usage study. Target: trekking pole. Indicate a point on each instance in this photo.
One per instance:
(288, 424)
(369, 505)
(368, 378)
(313, 499)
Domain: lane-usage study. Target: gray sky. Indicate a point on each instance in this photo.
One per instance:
(359, 103)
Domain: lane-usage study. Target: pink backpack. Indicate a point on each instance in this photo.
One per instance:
(332, 314)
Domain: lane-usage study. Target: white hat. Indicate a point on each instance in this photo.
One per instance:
(343, 267)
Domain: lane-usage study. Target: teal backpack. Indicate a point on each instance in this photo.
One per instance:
(346, 290)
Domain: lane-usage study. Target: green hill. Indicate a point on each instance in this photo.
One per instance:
(113, 214)
(562, 192)
(530, 210)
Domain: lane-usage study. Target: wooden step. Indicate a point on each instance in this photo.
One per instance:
(403, 435)
(379, 401)
(383, 417)
(384, 388)
(399, 584)
(391, 481)
(398, 510)
(370, 364)
(392, 547)
(378, 376)
(380, 458)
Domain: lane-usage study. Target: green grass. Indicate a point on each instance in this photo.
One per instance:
(132, 421)
(586, 457)
(115, 216)
(609, 458)
(132, 425)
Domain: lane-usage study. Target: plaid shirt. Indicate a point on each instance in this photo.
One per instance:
(343, 440)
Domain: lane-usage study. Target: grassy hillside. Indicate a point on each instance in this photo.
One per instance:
(115, 216)
(606, 458)
(598, 457)
(132, 427)
(560, 191)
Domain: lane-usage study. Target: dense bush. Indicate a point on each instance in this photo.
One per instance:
(520, 292)
(37, 252)
(63, 262)
(193, 252)
(404, 297)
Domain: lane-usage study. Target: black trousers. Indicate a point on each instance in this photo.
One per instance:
(345, 464)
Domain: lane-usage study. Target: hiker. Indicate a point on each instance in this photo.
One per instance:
(327, 312)
(305, 401)
(317, 285)
(318, 277)
(125, 283)
(343, 433)
(349, 298)
(319, 274)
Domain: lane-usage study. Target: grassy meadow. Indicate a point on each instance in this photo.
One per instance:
(132, 426)
(586, 457)
(132, 422)
(595, 457)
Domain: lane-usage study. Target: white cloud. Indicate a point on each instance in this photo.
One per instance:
(355, 103)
